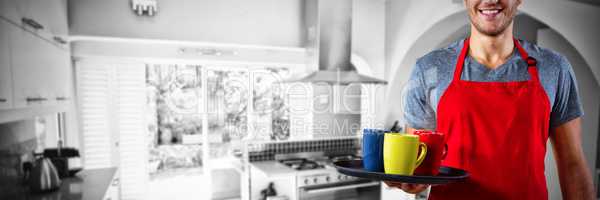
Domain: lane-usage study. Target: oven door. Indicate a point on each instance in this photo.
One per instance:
(359, 190)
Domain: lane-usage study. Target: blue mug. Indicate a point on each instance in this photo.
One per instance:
(372, 149)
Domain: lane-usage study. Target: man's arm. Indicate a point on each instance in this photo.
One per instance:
(575, 178)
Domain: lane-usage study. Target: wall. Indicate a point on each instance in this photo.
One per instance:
(590, 98)
(265, 22)
(259, 31)
(368, 34)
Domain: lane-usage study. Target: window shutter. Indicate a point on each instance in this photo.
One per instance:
(130, 104)
(93, 89)
(112, 101)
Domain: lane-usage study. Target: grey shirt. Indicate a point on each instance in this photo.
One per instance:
(433, 73)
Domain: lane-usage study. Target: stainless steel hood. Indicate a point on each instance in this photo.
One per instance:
(328, 43)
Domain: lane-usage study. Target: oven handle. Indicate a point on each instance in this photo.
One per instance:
(344, 187)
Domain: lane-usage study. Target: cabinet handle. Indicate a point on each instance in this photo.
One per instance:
(59, 40)
(61, 98)
(34, 99)
(3, 100)
(32, 23)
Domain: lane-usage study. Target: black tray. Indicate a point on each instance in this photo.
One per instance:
(446, 175)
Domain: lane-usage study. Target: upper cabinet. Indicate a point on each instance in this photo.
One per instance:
(31, 60)
(5, 70)
(9, 11)
(45, 18)
(51, 14)
(35, 60)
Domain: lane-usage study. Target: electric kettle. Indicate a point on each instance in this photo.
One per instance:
(43, 175)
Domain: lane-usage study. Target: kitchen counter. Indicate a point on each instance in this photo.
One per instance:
(273, 169)
(87, 184)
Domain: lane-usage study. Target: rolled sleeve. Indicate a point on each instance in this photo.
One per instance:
(567, 105)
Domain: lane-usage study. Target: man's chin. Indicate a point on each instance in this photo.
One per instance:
(490, 31)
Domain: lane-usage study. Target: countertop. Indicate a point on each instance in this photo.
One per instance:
(87, 184)
(273, 168)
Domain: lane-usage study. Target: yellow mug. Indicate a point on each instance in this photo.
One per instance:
(401, 155)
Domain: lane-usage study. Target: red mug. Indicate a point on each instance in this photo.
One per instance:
(436, 152)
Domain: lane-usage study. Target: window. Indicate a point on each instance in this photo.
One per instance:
(238, 99)
(174, 104)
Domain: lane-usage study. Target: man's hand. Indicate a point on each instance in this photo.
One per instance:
(407, 187)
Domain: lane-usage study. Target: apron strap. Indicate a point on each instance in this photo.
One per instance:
(461, 60)
(531, 62)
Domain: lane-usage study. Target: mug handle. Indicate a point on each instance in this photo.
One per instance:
(422, 153)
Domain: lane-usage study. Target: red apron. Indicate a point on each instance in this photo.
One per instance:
(497, 131)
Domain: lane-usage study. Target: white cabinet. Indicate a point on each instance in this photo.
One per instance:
(5, 71)
(45, 18)
(51, 14)
(9, 11)
(62, 81)
(30, 58)
(35, 69)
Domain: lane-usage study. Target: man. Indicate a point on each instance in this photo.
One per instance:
(499, 100)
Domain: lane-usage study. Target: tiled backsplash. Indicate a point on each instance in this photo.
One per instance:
(267, 151)
(11, 159)
(17, 142)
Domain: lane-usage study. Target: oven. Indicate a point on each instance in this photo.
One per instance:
(354, 190)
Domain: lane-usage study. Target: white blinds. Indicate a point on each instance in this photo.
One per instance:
(112, 101)
(93, 91)
(131, 101)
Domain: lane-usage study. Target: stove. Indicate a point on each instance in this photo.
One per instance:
(301, 164)
(317, 178)
(311, 177)
(312, 172)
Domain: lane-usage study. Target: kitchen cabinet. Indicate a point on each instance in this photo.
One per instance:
(5, 71)
(62, 76)
(30, 61)
(44, 18)
(52, 14)
(36, 68)
(8, 11)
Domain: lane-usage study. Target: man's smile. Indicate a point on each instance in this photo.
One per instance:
(490, 13)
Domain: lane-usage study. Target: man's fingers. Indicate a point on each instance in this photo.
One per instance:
(407, 187)
(413, 188)
(393, 184)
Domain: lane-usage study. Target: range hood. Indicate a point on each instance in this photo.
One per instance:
(328, 43)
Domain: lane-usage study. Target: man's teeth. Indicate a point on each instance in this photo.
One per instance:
(489, 12)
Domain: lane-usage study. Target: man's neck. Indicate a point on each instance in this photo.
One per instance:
(491, 51)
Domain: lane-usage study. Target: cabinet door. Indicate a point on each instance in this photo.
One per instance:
(61, 73)
(30, 58)
(8, 10)
(52, 14)
(5, 72)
